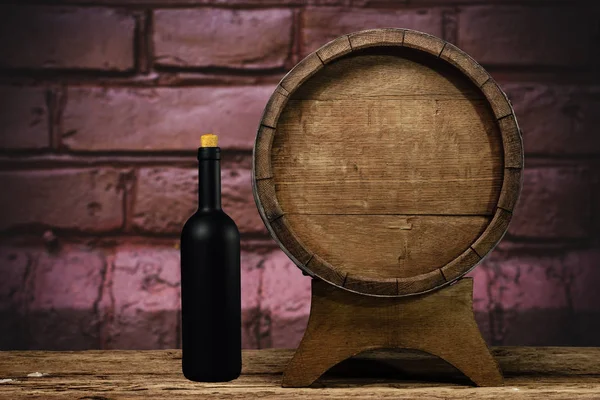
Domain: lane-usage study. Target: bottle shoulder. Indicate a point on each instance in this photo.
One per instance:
(207, 223)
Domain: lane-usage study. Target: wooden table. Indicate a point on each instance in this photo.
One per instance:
(549, 373)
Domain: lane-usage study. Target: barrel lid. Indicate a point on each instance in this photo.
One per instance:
(388, 162)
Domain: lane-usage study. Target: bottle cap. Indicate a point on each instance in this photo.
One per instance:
(209, 140)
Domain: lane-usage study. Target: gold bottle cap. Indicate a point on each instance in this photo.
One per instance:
(209, 140)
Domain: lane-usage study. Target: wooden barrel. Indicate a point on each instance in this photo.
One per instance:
(387, 163)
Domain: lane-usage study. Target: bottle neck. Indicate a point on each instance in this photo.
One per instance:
(209, 179)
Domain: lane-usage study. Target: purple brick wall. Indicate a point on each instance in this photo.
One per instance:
(102, 105)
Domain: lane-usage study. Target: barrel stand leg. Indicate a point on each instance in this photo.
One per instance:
(343, 324)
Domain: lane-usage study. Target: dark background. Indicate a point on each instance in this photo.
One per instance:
(101, 107)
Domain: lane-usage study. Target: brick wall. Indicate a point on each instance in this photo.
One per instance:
(102, 105)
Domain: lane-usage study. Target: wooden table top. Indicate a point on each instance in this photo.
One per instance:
(550, 372)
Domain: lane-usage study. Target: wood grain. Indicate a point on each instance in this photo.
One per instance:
(511, 189)
(530, 373)
(420, 283)
(497, 99)
(414, 197)
(376, 127)
(268, 199)
(301, 72)
(334, 49)
(424, 42)
(493, 233)
(376, 37)
(382, 246)
(262, 153)
(512, 142)
(321, 154)
(274, 107)
(326, 271)
(465, 63)
(456, 268)
(387, 73)
(285, 234)
(364, 284)
(345, 324)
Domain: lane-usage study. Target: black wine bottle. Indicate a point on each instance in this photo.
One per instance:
(210, 280)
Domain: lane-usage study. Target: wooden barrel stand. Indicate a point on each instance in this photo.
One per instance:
(343, 324)
(387, 165)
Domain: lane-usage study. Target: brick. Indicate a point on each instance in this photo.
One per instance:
(217, 3)
(285, 300)
(324, 24)
(539, 299)
(582, 279)
(14, 263)
(23, 118)
(167, 197)
(596, 199)
(78, 199)
(146, 293)
(252, 272)
(14, 267)
(238, 200)
(519, 283)
(555, 119)
(69, 279)
(162, 119)
(66, 288)
(145, 289)
(213, 37)
(556, 327)
(72, 38)
(545, 36)
(555, 203)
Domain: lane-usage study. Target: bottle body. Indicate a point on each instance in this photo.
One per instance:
(210, 297)
(210, 285)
